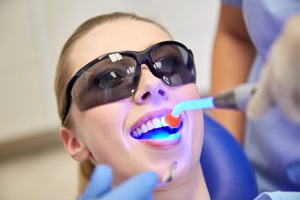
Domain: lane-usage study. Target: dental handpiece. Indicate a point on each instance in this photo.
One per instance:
(236, 98)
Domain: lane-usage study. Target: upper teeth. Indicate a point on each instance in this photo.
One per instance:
(149, 125)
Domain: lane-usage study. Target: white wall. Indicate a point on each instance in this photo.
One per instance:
(32, 33)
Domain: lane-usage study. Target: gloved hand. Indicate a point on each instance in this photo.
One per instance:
(279, 83)
(139, 187)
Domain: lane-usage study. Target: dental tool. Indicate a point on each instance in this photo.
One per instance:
(167, 178)
(236, 98)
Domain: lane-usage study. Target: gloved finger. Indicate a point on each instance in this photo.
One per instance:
(291, 109)
(100, 183)
(262, 100)
(287, 96)
(139, 187)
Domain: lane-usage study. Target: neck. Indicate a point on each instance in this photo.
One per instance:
(194, 188)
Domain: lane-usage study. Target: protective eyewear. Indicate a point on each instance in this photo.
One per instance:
(115, 76)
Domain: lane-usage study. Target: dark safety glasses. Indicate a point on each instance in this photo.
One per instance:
(115, 76)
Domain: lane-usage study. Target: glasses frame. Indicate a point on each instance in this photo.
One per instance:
(141, 57)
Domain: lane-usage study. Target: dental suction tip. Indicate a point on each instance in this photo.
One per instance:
(173, 121)
(168, 177)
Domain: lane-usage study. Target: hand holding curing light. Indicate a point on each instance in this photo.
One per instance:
(236, 98)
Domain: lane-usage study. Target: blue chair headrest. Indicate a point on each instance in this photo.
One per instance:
(226, 169)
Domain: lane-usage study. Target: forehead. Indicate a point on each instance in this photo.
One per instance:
(118, 35)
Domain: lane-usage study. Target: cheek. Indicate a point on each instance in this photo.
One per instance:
(194, 118)
(193, 132)
(186, 92)
(198, 131)
(102, 129)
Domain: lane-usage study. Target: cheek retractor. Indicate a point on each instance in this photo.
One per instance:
(236, 98)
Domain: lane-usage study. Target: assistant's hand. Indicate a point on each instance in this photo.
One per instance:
(279, 83)
(139, 187)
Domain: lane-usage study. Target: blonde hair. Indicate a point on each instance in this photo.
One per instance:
(63, 75)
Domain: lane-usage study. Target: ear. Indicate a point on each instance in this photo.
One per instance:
(74, 146)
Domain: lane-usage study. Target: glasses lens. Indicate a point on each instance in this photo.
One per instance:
(173, 64)
(111, 79)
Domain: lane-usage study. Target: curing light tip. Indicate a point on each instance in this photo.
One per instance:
(173, 121)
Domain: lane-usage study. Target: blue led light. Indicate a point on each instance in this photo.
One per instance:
(159, 134)
(166, 133)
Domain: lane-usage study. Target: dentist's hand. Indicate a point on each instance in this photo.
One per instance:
(279, 83)
(139, 187)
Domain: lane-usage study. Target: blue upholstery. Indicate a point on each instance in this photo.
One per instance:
(227, 171)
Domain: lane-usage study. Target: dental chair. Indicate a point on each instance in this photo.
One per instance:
(227, 171)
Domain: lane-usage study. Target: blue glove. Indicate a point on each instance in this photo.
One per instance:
(139, 187)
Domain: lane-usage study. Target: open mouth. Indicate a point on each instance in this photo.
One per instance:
(155, 129)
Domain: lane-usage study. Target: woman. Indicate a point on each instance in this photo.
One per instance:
(111, 110)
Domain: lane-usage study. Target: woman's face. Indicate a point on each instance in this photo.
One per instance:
(105, 131)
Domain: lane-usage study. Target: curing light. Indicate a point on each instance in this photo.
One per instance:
(236, 98)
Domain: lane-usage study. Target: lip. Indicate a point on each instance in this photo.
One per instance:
(168, 142)
(162, 144)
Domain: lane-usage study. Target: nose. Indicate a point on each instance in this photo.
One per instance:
(150, 88)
